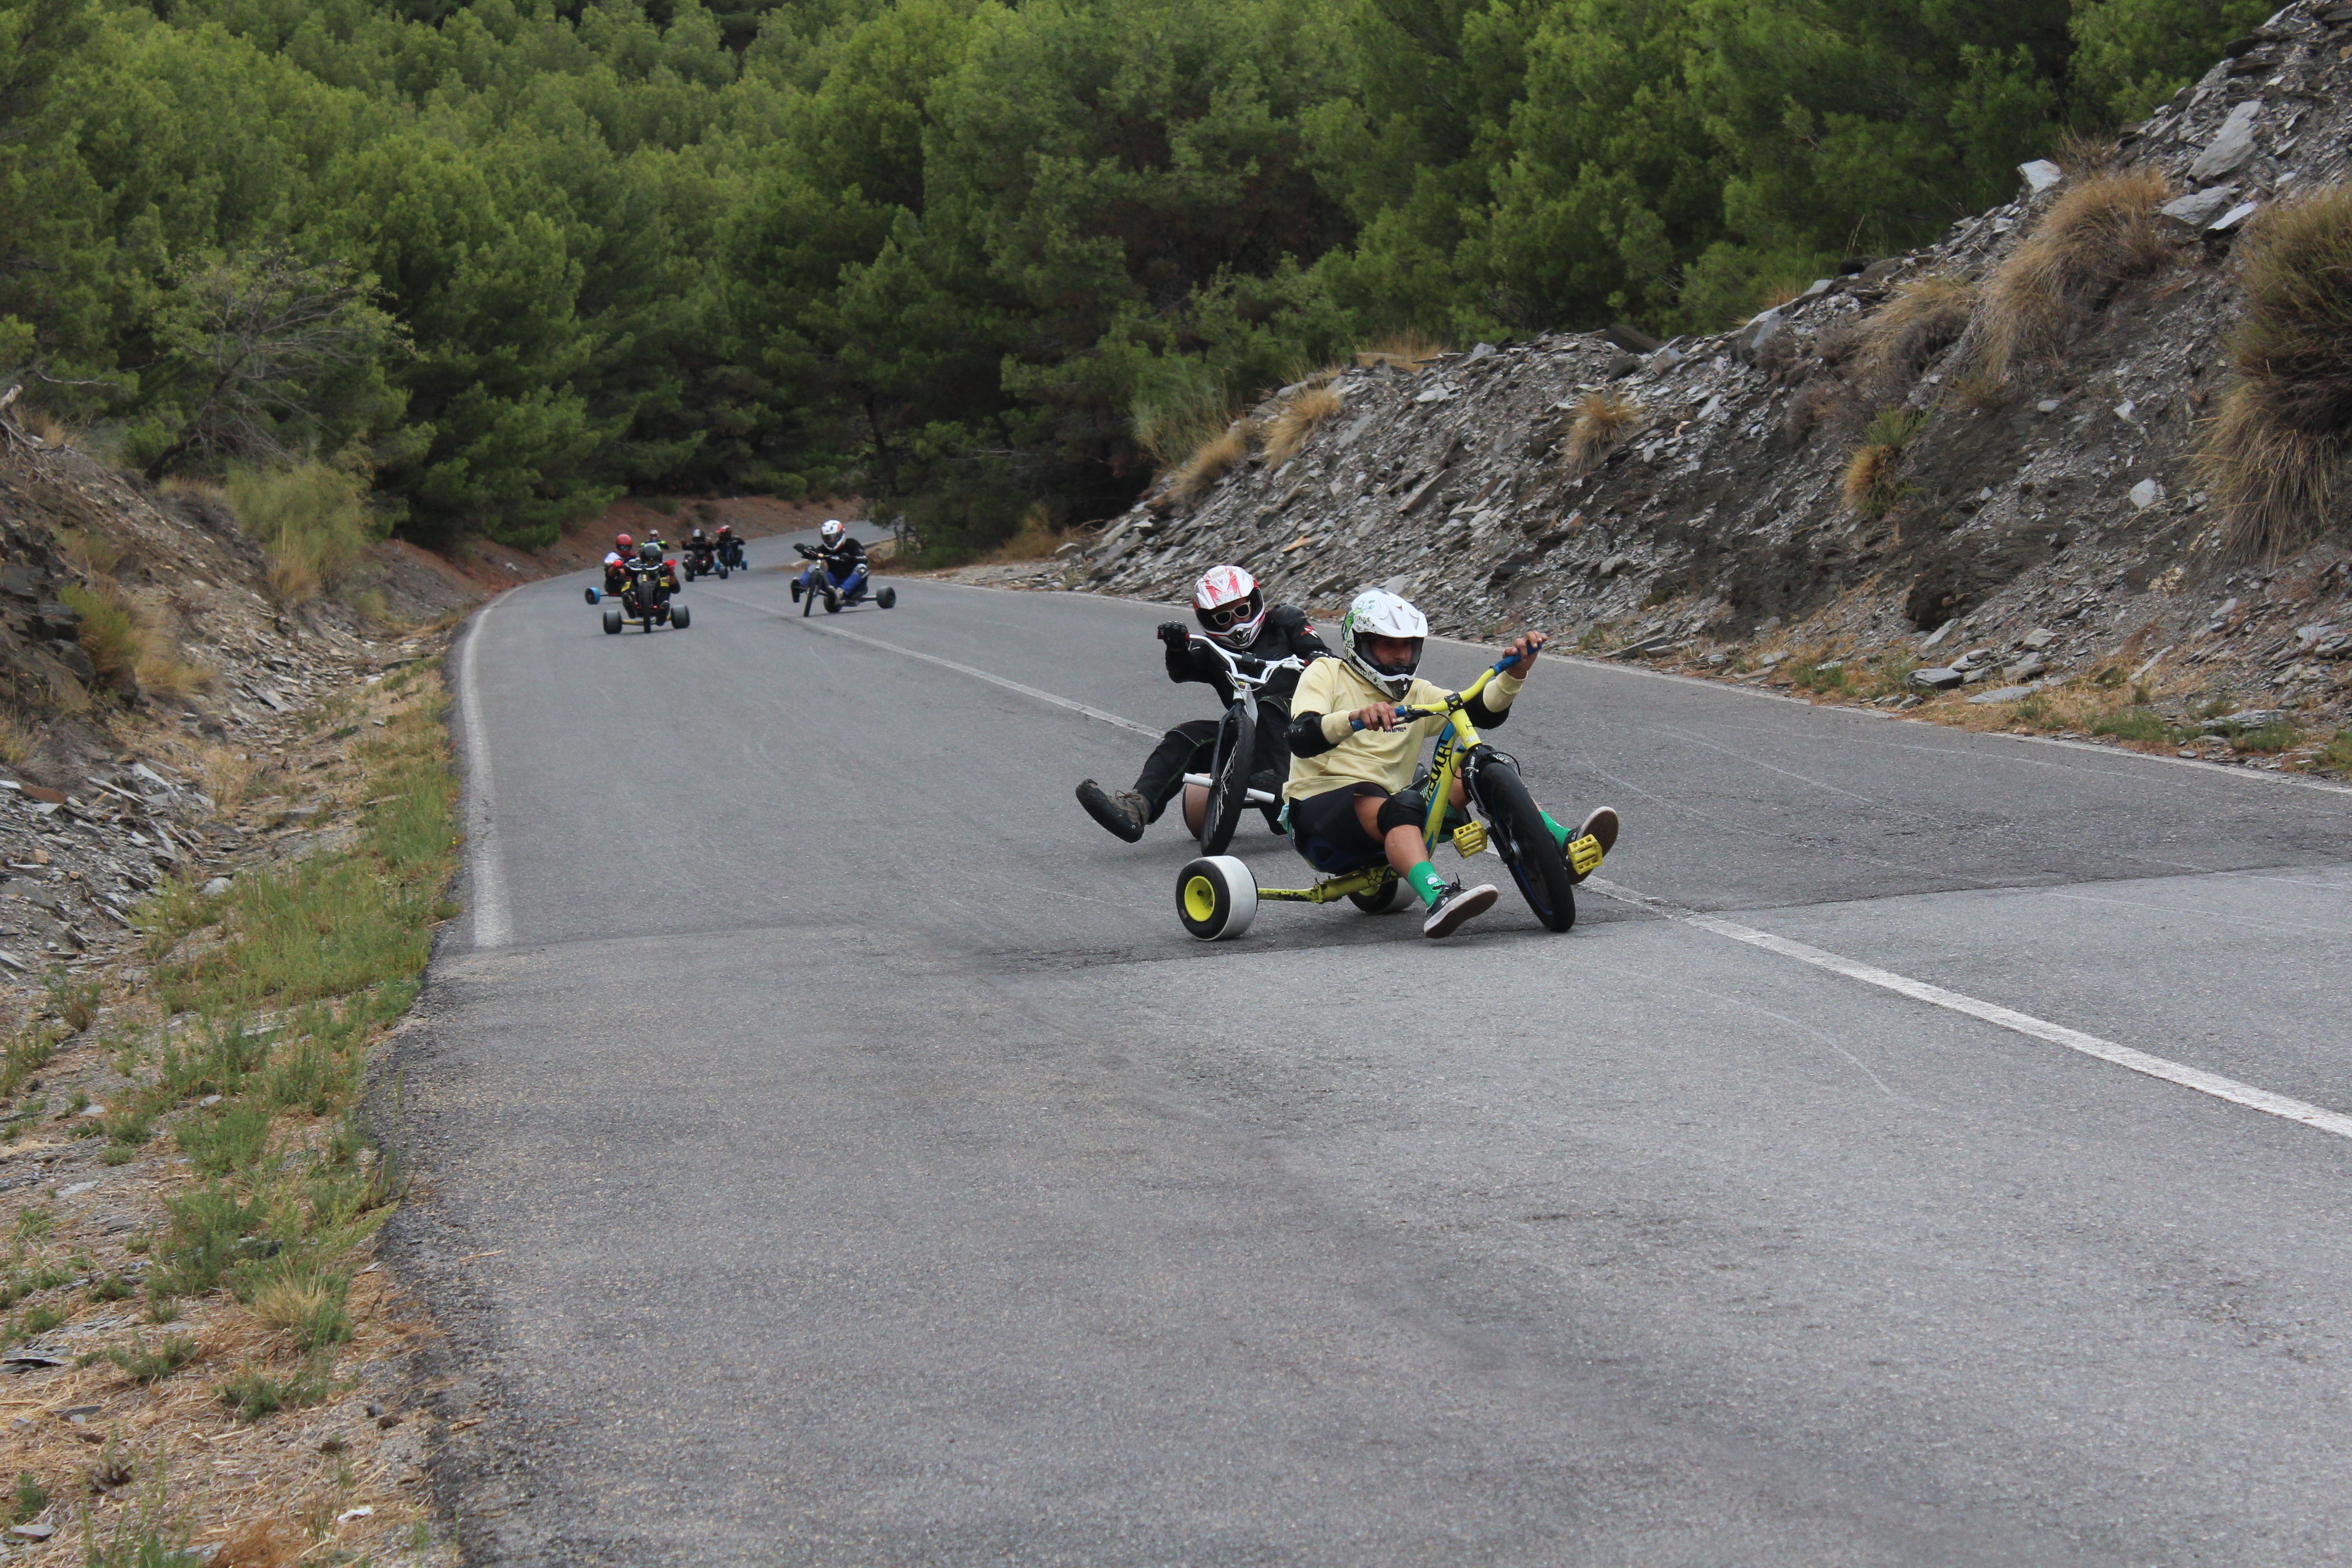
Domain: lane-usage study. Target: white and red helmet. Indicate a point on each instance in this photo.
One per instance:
(1227, 604)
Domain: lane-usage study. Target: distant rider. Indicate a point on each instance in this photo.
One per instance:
(1349, 786)
(729, 548)
(1230, 608)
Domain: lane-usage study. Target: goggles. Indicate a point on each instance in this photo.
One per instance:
(1227, 617)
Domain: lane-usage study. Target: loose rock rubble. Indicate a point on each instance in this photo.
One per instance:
(2049, 528)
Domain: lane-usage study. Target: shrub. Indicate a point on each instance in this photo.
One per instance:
(2274, 455)
(251, 1396)
(2267, 740)
(110, 634)
(1603, 418)
(1872, 484)
(1925, 317)
(1296, 420)
(146, 1365)
(1191, 406)
(312, 522)
(2337, 756)
(1215, 458)
(1408, 350)
(2099, 233)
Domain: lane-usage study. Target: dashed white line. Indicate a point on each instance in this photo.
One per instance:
(2109, 1051)
(493, 926)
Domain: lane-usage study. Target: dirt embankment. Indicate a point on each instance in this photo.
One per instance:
(1963, 472)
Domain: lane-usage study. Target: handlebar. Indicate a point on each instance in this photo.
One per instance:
(1458, 701)
(1242, 666)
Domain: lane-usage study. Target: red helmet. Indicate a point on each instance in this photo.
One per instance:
(623, 543)
(1227, 604)
(724, 530)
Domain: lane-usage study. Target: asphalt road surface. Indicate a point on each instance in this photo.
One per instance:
(1933, 1149)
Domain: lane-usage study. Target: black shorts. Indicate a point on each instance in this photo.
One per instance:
(1324, 827)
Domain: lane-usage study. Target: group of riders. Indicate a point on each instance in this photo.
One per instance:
(1340, 760)
(840, 556)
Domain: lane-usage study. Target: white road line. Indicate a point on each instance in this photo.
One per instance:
(493, 927)
(1073, 705)
(2121, 1055)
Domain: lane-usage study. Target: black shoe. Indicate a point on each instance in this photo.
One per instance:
(1600, 825)
(1458, 906)
(1124, 812)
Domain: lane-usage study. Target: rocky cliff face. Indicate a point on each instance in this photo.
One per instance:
(1978, 444)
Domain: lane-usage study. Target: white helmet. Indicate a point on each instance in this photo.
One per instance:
(1377, 612)
(1227, 604)
(831, 531)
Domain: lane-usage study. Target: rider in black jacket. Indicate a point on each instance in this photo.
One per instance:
(1230, 608)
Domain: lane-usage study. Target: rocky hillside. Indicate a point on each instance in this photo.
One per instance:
(1978, 459)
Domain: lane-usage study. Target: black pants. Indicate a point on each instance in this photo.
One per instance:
(1191, 746)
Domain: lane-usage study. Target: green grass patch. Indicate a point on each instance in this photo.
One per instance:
(146, 1365)
(2335, 757)
(2143, 724)
(2267, 740)
(253, 1393)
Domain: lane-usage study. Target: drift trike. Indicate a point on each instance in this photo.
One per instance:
(1217, 895)
(816, 581)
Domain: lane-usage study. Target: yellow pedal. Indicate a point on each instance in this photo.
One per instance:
(1469, 839)
(1584, 855)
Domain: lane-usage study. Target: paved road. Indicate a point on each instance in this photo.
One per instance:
(837, 1153)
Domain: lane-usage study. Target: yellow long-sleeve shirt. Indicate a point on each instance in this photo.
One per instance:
(1384, 757)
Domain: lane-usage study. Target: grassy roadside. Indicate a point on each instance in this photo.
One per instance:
(206, 1358)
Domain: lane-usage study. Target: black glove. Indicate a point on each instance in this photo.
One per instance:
(1175, 634)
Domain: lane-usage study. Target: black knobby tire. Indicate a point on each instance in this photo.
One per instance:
(679, 615)
(1523, 841)
(612, 621)
(1229, 776)
(887, 598)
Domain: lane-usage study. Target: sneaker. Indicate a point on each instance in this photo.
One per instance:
(1459, 905)
(1600, 827)
(1123, 813)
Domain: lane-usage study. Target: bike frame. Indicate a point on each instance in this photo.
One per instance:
(1245, 689)
(1454, 743)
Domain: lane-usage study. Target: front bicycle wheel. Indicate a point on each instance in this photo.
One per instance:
(1229, 776)
(1518, 832)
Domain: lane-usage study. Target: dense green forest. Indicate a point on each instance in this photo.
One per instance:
(512, 258)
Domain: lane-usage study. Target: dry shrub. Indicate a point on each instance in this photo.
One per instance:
(1872, 483)
(200, 490)
(312, 522)
(1603, 418)
(1925, 317)
(46, 427)
(264, 1541)
(1035, 540)
(1814, 405)
(227, 775)
(2085, 152)
(1975, 390)
(17, 741)
(2098, 235)
(90, 554)
(2274, 455)
(1213, 459)
(1408, 350)
(1298, 418)
(128, 643)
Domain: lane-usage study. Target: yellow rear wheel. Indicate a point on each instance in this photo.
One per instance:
(1216, 897)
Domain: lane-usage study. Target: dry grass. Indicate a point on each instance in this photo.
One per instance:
(2099, 233)
(202, 489)
(90, 554)
(2084, 152)
(1925, 317)
(228, 777)
(1602, 419)
(130, 642)
(1407, 350)
(1814, 405)
(1214, 459)
(1036, 539)
(2274, 455)
(1872, 483)
(1296, 420)
(312, 521)
(16, 740)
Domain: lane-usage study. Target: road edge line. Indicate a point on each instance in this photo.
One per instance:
(486, 879)
(2215, 1085)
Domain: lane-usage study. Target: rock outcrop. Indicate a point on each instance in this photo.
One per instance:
(1922, 450)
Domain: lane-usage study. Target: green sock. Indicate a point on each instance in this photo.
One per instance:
(1558, 834)
(1425, 881)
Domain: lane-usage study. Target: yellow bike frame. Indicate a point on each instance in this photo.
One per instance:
(1453, 743)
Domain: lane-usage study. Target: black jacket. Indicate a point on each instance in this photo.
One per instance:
(1285, 633)
(843, 558)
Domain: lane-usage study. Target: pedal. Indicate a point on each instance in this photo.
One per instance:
(1584, 855)
(1469, 839)
(1200, 781)
(1259, 797)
